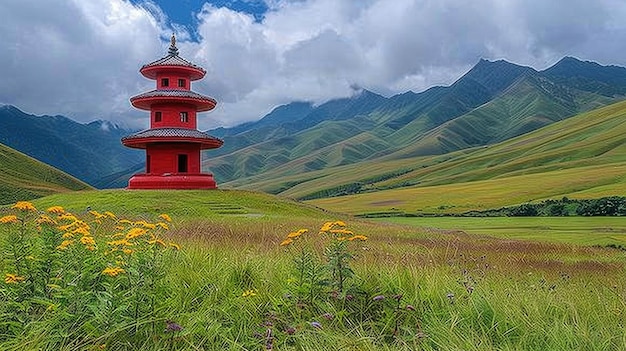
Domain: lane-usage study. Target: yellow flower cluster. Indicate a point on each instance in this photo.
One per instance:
(56, 210)
(293, 236)
(9, 219)
(138, 233)
(249, 293)
(130, 236)
(75, 227)
(337, 230)
(24, 206)
(13, 278)
(165, 217)
(113, 271)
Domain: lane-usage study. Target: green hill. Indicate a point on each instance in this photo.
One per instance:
(24, 178)
(492, 102)
(86, 151)
(581, 156)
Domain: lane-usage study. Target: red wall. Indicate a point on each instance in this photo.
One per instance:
(164, 157)
(173, 80)
(170, 116)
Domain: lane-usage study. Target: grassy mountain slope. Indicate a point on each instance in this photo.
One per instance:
(583, 156)
(592, 143)
(529, 104)
(86, 151)
(24, 178)
(492, 102)
(366, 126)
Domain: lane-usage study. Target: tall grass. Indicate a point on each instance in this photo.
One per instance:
(231, 287)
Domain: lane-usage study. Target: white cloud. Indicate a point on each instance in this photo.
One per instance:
(81, 58)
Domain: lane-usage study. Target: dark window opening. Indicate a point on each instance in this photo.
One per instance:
(182, 163)
(157, 116)
(181, 83)
(184, 117)
(147, 163)
(165, 82)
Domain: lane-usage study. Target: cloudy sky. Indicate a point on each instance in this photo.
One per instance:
(80, 58)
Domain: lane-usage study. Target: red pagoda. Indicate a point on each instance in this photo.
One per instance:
(172, 143)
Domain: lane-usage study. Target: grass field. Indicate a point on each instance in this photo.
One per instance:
(233, 287)
(568, 230)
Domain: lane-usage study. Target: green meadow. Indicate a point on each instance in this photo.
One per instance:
(431, 285)
(602, 231)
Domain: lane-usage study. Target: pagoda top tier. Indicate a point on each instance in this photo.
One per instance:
(172, 62)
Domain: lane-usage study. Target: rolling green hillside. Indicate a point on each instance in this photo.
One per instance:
(581, 156)
(492, 102)
(24, 178)
(86, 151)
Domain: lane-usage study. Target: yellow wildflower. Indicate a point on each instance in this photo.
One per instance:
(68, 217)
(149, 226)
(286, 242)
(65, 244)
(119, 227)
(165, 217)
(65, 227)
(294, 235)
(9, 219)
(110, 214)
(358, 237)
(81, 230)
(13, 278)
(87, 240)
(157, 241)
(249, 293)
(163, 225)
(121, 242)
(174, 245)
(96, 214)
(113, 271)
(125, 221)
(24, 206)
(67, 235)
(135, 232)
(56, 210)
(140, 223)
(330, 225)
(127, 251)
(45, 219)
(341, 231)
(327, 226)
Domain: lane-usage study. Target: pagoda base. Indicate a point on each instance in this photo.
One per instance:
(172, 181)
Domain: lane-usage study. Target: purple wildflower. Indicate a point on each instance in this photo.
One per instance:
(378, 297)
(317, 325)
(172, 326)
(328, 316)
